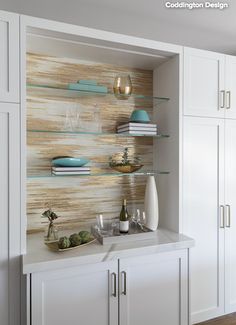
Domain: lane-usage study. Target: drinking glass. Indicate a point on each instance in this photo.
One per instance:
(122, 86)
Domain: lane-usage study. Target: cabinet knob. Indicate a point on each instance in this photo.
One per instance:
(228, 216)
(113, 281)
(222, 216)
(124, 284)
(228, 99)
(222, 99)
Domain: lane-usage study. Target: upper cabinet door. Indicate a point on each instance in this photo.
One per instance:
(230, 87)
(204, 93)
(9, 57)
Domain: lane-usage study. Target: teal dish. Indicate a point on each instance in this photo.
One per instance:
(139, 116)
(69, 162)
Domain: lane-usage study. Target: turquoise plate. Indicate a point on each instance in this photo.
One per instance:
(70, 162)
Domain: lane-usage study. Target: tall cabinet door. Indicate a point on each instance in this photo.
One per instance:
(9, 57)
(154, 289)
(230, 215)
(9, 215)
(203, 194)
(204, 93)
(230, 77)
(86, 294)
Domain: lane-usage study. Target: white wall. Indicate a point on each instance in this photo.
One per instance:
(209, 29)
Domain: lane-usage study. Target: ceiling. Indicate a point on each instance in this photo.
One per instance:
(211, 29)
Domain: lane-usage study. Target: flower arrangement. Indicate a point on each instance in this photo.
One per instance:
(51, 234)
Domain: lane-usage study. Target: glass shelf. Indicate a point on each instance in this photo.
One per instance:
(51, 91)
(144, 173)
(101, 133)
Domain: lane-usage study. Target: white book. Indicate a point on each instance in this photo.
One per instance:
(66, 169)
(137, 124)
(135, 128)
(139, 132)
(70, 173)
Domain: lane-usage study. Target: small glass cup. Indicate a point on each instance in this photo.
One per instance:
(104, 227)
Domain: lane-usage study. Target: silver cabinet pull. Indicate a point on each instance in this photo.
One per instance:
(222, 216)
(113, 281)
(222, 99)
(228, 99)
(228, 216)
(123, 281)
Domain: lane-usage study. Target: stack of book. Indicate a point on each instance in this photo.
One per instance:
(137, 128)
(71, 170)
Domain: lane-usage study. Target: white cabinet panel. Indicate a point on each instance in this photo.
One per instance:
(79, 295)
(203, 83)
(203, 192)
(230, 76)
(9, 215)
(230, 212)
(153, 289)
(9, 57)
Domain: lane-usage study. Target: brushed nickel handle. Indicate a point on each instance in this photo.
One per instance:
(124, 287)
(114, 289)
(222, 98)
(222, 216)
(228, 216)
(228, 99)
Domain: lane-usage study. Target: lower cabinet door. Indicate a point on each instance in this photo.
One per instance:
(153, 289)
(9, 214)
(230, 213)
(85, 295)
(203, 212)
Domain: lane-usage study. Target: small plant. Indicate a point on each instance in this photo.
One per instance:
(125, 160)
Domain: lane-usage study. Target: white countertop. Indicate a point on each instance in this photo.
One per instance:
(40, 258)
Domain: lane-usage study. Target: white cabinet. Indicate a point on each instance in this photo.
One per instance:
(209, 84)
(230, 87)
(152, 286)
(9, 57)
(230, 213)
(204, 88)
(79, 295)
(209, 183)
(203, 193)
(9, 215)
(129, 291)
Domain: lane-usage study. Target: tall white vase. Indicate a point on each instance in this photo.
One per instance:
(151, 204)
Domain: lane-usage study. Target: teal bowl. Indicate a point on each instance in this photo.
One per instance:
(139, 116)
(69, 162)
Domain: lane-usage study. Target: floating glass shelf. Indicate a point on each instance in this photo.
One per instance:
(51, 91)
(144, 173)
(101, 133)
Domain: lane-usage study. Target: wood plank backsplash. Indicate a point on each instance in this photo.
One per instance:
(79, 199)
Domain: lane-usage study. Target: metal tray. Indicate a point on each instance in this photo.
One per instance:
(135, 233)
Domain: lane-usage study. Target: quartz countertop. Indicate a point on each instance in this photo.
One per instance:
(39, 258)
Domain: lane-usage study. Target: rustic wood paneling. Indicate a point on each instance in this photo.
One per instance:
(79, 199)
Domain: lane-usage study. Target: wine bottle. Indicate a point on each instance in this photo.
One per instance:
(124, 218)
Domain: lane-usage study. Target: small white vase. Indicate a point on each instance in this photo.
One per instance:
(151, 204)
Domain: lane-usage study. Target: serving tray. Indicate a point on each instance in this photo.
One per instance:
(54, 246)
(135, 233)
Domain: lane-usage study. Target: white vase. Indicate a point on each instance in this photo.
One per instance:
(151, 204)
